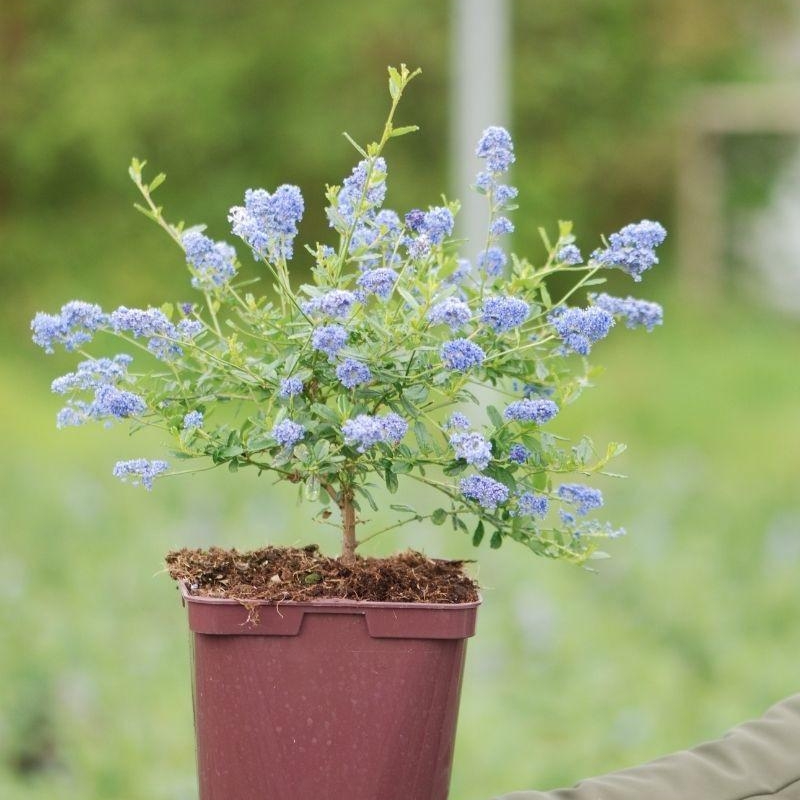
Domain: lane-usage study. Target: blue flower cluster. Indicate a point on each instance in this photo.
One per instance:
(73, 327)
(356, 200)
(378, 281)
(336, 304)
(352, 373)
(268, 222)
(569, 254)
(109, 403)
(501, 226)
(213, 263)
(366, 431)
(632, 249)
(497, 148)
(193, 420)
(457, 420)
(472, 447)
(637, 313)
(518, 453)
(539, 410)
(584, 497)
(530, 504)
(580, 328)
(329, 339)
(93, 373)
(492, 260)
(140, 470)
(288, 433)
(163, 336)
(452, 312)
(290, 387)
(461, 355)
(504, 313)
(485, 491)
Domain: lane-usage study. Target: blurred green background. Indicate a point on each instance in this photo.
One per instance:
(690, 628)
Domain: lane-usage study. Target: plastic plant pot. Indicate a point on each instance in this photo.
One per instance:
(334, 699)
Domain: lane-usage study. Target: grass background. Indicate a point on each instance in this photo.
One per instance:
(690, 628)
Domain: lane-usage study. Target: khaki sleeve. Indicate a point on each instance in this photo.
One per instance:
(754, 761)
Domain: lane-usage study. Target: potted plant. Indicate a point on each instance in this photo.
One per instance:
(340, 677)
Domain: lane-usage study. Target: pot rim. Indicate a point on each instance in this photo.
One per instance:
(331, 602)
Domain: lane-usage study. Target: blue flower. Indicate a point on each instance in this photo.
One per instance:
(462, 271)
(140, 470)
(352, 373)
(290, 387)
(637, 313)
(366, 431)
(518, 453)
(355, 199)
(212, 262)
(539, 411)
(437, 224)
(268, 222)
(112, 402)
(487, 492)
(142, 322)
(492, 260)
(504, 313)
(584, 497)
(504, 194)
(378, 281)
(581, 327)
(453, 312)
(337, 304)
(530, 504)
(193, 420)
(329, 339)
(457, 420)
(497, 148)
(501, 226)
(73, 327)
(93, 373)
(473, 448)
(461, 355)
(415, 219)
(569, 254)
(394, 427)
(632, 249)
(288, 433)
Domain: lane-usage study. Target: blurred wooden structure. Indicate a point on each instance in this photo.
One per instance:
(713, 114)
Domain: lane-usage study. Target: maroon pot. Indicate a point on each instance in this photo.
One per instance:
(332, 699)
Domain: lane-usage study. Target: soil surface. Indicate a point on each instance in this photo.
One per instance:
(285, 573)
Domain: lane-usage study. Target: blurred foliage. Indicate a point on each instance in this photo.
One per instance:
(226, 96)
(571, 673)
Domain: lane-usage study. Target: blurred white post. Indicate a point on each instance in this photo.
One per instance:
(481, 94)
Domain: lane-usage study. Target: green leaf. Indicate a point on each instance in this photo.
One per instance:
(402, 131)
(157, 181)
(421, 433)
(391, 480)
(495, 417)
(496, 541)
(395, 83)
(456, 468)
(312, 578)
(477, 537)
(402, 508)
(439, 516)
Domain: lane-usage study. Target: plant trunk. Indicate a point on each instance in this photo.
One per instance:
(348, 527)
